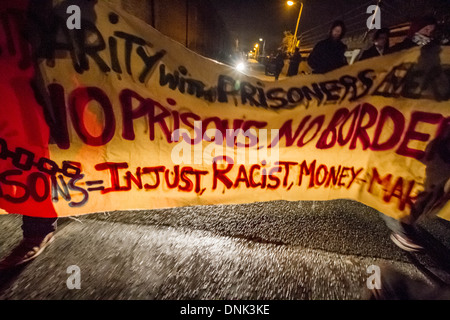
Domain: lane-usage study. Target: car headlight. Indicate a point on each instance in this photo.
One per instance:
(240, 66)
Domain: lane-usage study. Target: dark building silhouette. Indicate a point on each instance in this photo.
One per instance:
(193, 23)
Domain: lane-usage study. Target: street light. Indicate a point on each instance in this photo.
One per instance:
(264, 46)
(256, 51)
(294, 43)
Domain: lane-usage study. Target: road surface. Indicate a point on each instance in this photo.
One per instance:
(273, 250)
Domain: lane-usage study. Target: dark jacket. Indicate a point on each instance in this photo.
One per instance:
(371, 53)
(294, 64)
(279, 62)
(327, 55)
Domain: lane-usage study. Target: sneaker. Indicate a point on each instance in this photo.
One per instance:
(405, 243)
(27, 250)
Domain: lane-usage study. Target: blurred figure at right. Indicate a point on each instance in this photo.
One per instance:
(380, 45)
(420, 34)
(433, 198)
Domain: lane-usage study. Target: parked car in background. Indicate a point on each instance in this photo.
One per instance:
(270, 65)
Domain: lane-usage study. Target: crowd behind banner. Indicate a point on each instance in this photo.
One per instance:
(329, 54)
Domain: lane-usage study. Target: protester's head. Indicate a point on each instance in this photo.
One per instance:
(424, 26)
(337, 30)
(381, 38)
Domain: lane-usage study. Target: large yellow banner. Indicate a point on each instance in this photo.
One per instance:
(137, 121)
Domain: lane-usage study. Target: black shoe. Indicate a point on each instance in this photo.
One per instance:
(27, 250)
(405, 243)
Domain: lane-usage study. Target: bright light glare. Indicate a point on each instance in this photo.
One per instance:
(240, 67)
(290, 3)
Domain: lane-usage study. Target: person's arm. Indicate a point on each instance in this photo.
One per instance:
(314, 57)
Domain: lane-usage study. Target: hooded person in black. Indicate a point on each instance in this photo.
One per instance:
(329, 54)
(380, 45)
(294, 63)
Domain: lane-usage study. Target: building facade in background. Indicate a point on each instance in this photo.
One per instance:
(193, 23)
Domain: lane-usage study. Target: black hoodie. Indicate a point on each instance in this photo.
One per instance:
(328, 54)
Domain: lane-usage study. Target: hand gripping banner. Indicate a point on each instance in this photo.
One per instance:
(116, 116)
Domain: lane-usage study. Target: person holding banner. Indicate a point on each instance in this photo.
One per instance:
(435, 195)
(380, 45)
(329, 54)
(420, 34)
(294, 62)
(29, 134)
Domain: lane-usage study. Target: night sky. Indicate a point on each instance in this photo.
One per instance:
(248, 20)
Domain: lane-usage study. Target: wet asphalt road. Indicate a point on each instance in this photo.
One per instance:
(274, 250)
